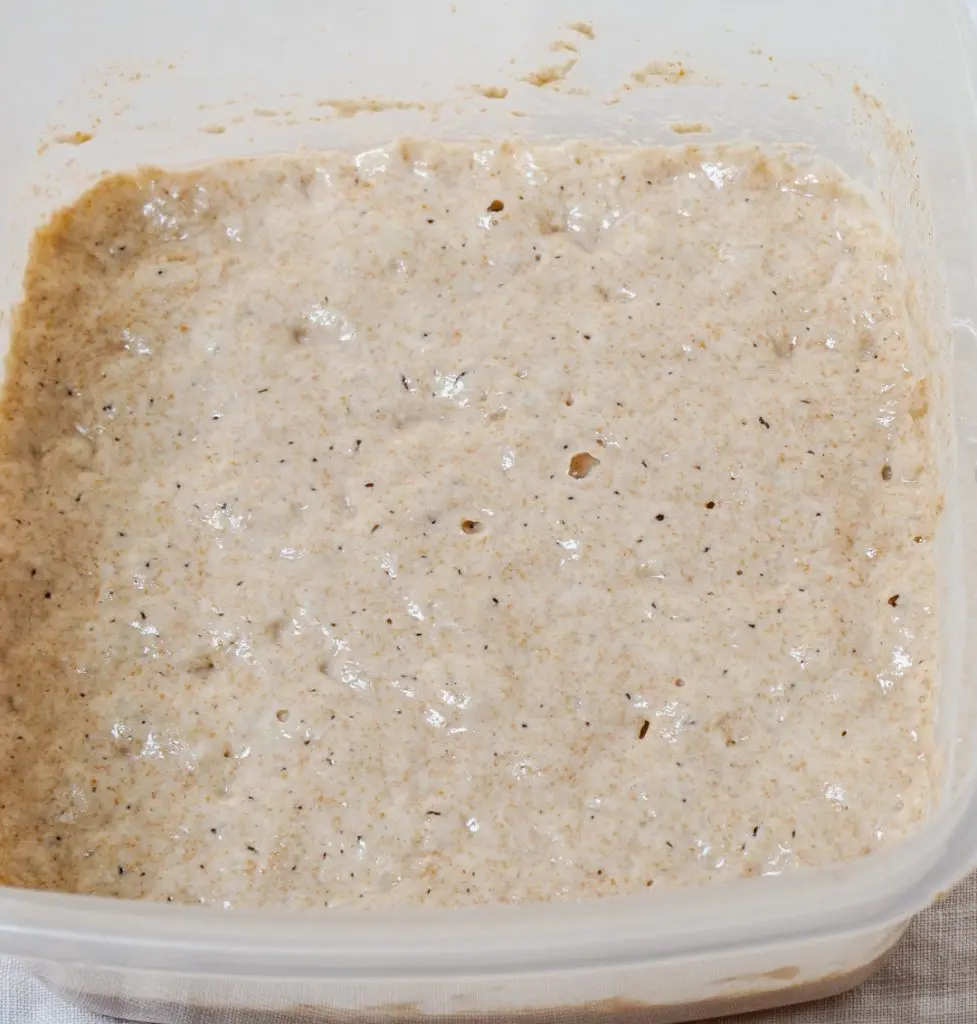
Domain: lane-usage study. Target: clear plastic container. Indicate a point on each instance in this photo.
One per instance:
(883, 87)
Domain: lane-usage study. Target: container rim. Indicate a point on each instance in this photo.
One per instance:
(878, 891)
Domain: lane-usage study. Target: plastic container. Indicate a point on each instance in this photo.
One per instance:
(883, 87)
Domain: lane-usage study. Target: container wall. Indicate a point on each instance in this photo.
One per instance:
(665, 992)
(882, 88)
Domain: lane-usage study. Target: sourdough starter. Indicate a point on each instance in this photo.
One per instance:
(458, 524)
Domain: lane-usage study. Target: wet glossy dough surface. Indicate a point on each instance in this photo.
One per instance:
(455, 525)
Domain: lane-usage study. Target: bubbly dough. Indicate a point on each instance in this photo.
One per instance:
(453, 524)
